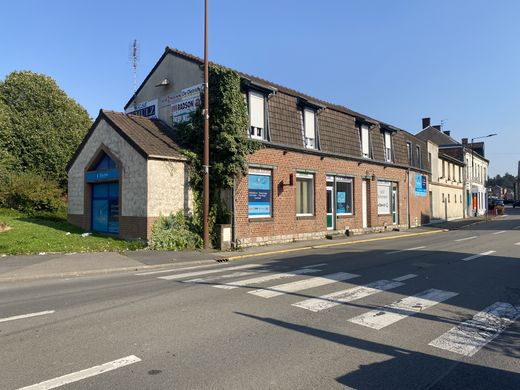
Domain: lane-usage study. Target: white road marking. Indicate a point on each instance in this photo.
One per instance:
(390, 314)
(344, 296)
(471, 335)
(477, 255)
(467, 238)
(317, 281)
(405, 277)
(83, 374)
(40, 313)
(500, 232)
(212, 271)
(163, 271)
(518, 243)
(405, 250)
(267, 278)
(227, 276)
(315, 265)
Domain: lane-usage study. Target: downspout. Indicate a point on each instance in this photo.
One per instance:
(408, 200)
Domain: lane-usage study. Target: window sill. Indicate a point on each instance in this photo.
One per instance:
(261, 219)
(305, 217)
(343, 216)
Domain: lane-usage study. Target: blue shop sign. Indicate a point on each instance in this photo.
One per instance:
(420, 185)
(259, 195)
(111, 174)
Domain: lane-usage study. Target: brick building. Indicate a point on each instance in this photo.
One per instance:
(324, 168)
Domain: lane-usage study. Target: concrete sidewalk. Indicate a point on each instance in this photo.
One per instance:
(60, 265)
(29, 267)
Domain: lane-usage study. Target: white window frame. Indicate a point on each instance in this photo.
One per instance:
(388, 146)
(309, 128)
(256, 132)
(364, 136)
(301, 175)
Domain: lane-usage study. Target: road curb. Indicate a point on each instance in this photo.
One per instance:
(103, 271)
(319, 246)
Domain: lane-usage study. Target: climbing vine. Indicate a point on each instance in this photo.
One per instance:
(229, 144)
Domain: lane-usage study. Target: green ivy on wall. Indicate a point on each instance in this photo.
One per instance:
(229, 144)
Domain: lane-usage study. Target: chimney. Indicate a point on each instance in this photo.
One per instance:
(425, 122)
(464, 141)
(447, 132)
(438, 127)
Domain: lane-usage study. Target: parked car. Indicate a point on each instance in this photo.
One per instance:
(517, 203)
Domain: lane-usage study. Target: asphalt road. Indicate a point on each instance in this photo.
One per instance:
(427, 312)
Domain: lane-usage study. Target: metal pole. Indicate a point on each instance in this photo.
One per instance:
(471, 177)
(205, 228)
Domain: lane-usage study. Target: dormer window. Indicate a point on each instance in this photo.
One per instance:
(257, 115)
(388, 146)
(309, 128)
(365, 141)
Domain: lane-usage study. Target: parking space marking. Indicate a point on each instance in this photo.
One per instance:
(83, 374)
(22, 316)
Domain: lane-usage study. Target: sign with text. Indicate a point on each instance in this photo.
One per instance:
(148, 109)
(184, 102)
(259, 195)
(383, 197)
(420, 185)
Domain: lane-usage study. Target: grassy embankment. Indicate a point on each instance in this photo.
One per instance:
(28, 234)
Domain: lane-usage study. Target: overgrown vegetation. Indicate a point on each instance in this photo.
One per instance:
(50, 232)
(229, 145)
(40, 126)
(174, 232)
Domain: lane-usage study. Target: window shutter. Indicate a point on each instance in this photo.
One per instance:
(256, 109)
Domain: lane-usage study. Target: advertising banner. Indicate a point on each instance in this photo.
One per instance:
(259, 195)
(383, 197)
(420, 185)
(341, 202)
(147, 109)
(184, 102)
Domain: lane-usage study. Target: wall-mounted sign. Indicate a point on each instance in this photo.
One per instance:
(259, 195)
(383, 197)
(111, 174)
(147, 109)
(420, 185)
(184, 103)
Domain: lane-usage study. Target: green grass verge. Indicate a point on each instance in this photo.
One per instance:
(30, 234)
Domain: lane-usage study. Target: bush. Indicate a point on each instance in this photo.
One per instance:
(30, 193)
(174, 232)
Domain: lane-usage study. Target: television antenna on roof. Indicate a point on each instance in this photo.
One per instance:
(134, 57)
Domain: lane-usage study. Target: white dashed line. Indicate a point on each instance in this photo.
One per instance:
(405, 277)
(212, 271)
(467, 238)
(387, 315)
(83, 374)
(405, 250)
(470, 336)
(40, 313)
(477, 255)
(304, 284)
(344, 296)
(500, 232)
(518, 243)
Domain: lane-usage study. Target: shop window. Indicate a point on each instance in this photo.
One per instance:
(257, 115)
(309, 128)
(304, 194)
(344, 196)
(259, 193)
(384, 195)
(365, 141)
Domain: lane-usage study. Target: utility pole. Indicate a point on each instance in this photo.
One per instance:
(205, 228)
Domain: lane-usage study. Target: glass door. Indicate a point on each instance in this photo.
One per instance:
(395, 203)
(330, 207)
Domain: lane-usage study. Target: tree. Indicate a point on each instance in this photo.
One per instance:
(40, 126)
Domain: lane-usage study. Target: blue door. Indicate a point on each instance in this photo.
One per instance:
(105, 208)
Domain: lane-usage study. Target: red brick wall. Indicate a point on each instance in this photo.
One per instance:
(285, 226)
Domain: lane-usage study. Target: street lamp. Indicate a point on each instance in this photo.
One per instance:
(473, 170)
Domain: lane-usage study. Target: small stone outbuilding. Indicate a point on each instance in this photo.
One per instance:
(126, 173)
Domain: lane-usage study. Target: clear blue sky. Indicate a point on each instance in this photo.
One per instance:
(398, 61)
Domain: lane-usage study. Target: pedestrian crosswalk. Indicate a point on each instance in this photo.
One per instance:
(258, 280)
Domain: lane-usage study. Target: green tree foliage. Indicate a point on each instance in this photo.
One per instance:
(506, 181)
(39, 124)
